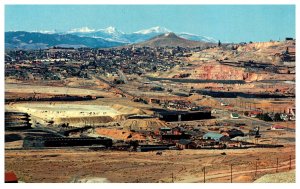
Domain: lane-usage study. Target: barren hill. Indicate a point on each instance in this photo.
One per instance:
(172, 40)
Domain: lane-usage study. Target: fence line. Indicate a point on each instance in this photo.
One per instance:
(210, 173)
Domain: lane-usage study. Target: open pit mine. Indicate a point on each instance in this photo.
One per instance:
(186, 112)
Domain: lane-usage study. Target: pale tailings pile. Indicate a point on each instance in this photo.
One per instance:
(68, 112)
(80, 121)
(285, 177)
(127, 110)
(143, 124)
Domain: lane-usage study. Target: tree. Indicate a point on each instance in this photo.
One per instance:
(277, 117)
(264, 117)
(219, 43)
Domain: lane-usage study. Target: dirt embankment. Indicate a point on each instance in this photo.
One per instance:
(127, 109)
(20, 90)
(143, 124)
(79, 121)
(120, 134)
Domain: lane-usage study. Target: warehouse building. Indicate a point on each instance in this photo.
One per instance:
(33, 141)
(170, 116)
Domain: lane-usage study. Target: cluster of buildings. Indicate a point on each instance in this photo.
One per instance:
(179, 104)
(289, 114)
(193, 138)
(180, 137)
(60, 63)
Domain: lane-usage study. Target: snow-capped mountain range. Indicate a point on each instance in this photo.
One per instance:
(156, 29)
(89, 37)
(112, 34)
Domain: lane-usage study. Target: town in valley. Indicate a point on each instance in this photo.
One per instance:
(82, 108)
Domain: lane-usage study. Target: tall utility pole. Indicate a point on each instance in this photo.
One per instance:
(255, 168)
(290, 162)
(204, 174)
(231, 173)
(277, 166)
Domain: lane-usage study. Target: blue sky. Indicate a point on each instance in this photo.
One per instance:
(230, 23)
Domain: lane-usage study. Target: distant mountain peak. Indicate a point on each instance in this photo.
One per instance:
(170, 34)
(81, 30)
(156, 29)
(111, 30)
(86, 30)
(44, 31)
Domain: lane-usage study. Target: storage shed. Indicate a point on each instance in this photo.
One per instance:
(277, 127)
(233, 133)
(183, 144)
(234, 116)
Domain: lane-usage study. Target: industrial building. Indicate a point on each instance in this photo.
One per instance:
(17, 121)
(170, 116)
(33, 141)
(184, 144)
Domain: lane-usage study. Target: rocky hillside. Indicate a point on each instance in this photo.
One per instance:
(172, 40)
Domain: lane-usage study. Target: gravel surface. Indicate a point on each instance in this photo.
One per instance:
(286, 177)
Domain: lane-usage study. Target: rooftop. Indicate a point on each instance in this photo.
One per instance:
(10, 177)
(184, 141)
(213, 135)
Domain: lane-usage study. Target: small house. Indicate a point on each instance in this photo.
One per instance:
(224, 104)
(277, 127)
(10, 177)
(234, 116)
(284, 117)
(233, 133)
(254, 113)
